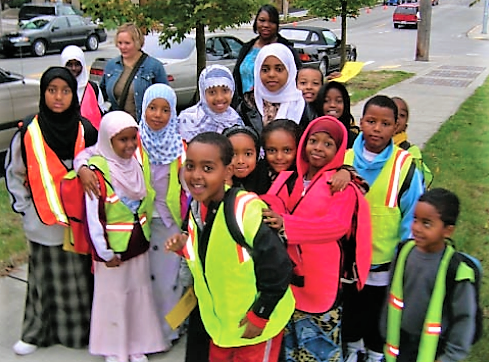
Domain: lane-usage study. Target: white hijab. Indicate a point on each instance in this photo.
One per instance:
(74, 52)
(290, 98)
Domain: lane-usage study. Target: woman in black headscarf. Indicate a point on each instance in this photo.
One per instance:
(60, 284)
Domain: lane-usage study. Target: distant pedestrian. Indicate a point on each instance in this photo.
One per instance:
(60, 283)
(89, 94)
(401, 140)
(124, 323)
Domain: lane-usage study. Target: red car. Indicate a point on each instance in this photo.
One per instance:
(406, 15)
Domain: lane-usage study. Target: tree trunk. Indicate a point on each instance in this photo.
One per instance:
(424, 31)
(200, 44)
(343, 34)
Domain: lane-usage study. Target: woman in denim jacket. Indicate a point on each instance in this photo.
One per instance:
(129, 41)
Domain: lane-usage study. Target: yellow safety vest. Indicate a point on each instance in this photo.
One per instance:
(382, 199)
(227, 290)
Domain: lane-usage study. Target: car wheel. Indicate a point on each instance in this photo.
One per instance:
(92, 43)
(39, 48)
(323, 66)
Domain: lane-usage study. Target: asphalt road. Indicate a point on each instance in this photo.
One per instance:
(379, 44)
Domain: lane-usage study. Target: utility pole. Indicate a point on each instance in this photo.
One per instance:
(424, 31)
(285, 8)
(484, 19)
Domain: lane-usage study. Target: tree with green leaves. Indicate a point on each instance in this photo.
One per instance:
(329, 9)
(175, 18)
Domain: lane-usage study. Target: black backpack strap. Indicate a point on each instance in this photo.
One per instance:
(407, 182)
(122, 100)
(405, 145)
(95, 87)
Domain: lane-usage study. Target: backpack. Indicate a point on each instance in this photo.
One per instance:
(475, 265)
(72, 197)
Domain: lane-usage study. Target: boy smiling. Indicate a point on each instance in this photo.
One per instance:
(243, 293)
(395, 186)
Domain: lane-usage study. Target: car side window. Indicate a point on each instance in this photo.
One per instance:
(60, 23)
(295, 35)
(215, 50)
(75, 21)
(314, 38)
(329, 37)
(235, 47)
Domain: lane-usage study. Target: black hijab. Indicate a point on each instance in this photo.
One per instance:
(59, 129)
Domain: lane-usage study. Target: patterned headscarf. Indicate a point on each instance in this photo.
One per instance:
(289, 97)
(126, 174)
(200, 118)
(163, 146)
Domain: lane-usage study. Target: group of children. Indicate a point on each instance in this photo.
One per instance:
(290, 259)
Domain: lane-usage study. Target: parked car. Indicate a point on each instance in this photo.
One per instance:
(29, 11)
(19, 98)
(44, 33)
(319, 47)
(406, 15)
(180, 61)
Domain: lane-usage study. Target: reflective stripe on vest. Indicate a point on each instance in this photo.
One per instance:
(432, 323)
(394, 179)
(242, 199)
(228, 289)
(382, 199)
(89, 106)
(45, 171)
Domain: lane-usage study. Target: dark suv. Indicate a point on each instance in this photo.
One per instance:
(29, 11)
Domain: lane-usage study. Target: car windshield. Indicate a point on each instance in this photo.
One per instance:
(35, 24)
(175, 51)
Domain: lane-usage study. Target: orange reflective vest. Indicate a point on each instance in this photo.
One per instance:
(89, 106)
(45, 171)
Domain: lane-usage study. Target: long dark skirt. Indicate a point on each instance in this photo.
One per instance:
(59, 297)
(314, 337)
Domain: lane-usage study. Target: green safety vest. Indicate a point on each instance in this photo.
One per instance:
(382, 199)
(120, 220)
(432, 324)
(227, 290)
(174, 192)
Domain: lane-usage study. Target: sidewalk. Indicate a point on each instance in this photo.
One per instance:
(434, 94)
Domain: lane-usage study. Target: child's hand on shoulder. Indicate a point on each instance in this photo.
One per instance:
(176, 242)
(272, 219)
(339, 180)
(89, 182)
(251, 331)
(114, 262)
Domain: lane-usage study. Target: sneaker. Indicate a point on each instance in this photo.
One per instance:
(138, 358)
(22, 348)
(111, 359)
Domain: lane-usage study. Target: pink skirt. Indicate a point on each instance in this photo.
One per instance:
(124, 320)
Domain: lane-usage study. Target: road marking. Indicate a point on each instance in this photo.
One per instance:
(390, 66)
(369, 62)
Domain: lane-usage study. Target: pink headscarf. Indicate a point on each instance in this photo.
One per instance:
(126, 174)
